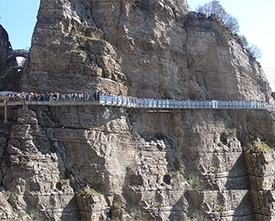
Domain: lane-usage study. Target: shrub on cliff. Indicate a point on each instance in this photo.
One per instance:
(214, 7)
(86, 191)
(254, 51)
(258, 146)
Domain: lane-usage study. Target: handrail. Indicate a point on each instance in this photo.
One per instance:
(10, 65)
(18, 53)
(129, 102)
(134, 102)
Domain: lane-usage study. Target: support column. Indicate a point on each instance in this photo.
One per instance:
(5, 113)
(25, 106)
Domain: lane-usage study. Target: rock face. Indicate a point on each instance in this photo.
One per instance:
(4, 47)
(141, 48)
(11, 82)
(111, 163)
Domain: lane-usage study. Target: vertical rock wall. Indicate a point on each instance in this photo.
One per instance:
(140, 48)
(100, 163)
(4, 47)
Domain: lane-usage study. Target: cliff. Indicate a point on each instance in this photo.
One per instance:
(4, 47)
(111, 163)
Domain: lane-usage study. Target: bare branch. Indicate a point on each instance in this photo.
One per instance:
(255, 52)
(214, 7)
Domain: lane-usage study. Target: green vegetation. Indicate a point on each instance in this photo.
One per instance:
(215, 170)
(178, 174)
(197, 216)
(137, 214)
(23, 213)
(34, 214)
(65, 181)
(79, 36)
(173, 173)
(258, 146)
(79, 51)
(118, 205)
(9, 194)
(230, 130)
(196, 182)
(157, 205)
(219, 209)
(87, 191)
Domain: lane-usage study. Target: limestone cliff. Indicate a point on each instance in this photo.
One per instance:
(111, 163)
(141, 48)
(4, 47)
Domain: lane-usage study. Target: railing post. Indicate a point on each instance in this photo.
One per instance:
(5, 113)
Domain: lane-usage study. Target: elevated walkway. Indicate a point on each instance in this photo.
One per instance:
(154, 105)
(133, 102)
(10, 76)
(11, 66)
(18, 53)
(14, 64)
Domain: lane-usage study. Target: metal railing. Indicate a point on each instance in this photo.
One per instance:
(18, 53)
(114, 100)
(129, 102)
(12, 64)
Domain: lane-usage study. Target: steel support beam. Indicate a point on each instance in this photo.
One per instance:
(5, 113)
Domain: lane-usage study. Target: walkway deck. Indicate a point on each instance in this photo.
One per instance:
(155, 105)
(133, 102)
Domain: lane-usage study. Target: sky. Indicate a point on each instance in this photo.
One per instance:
(256, 20)
(18, 17)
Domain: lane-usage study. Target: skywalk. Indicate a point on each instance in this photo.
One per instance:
(145, 103)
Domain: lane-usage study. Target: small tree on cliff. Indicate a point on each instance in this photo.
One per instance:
(253, 49)
(255, 52)
(214, 7)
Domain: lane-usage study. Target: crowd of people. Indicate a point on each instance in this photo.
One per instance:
(48, 96)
